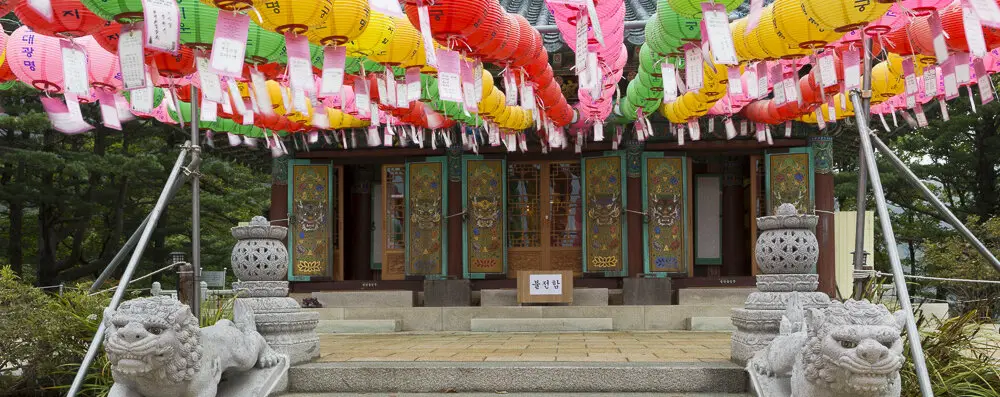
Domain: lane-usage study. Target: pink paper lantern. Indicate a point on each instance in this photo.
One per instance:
(36, 59)
(102, 66)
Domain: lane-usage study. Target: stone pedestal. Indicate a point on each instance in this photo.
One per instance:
(647, 291)
(447, 293)
(260, 261)
(787, 252)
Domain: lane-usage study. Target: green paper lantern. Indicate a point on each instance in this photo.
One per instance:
(651, 83)
(649, 61)
(658, 40)
(679, 27)
(157, 96)
(124, 11)
(263, 46)
(197, 23)
(626, 110)
(185, 108)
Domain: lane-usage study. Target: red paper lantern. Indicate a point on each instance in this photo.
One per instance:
(490, 24)
(549, 92)
(6, 74)
(539, 72)
(562, 115)
(451, 18)
(70, 18)
(6, 6)
(507, 43)
(173, 65)
(107, 36)
(898, 41)
(954, 28)
(527, 45)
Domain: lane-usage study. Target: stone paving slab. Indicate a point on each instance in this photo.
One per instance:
(632, 346)
(495, 394)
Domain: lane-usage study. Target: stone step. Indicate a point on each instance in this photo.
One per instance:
(495, 394)
(513, 377)
(710, 324)
(581, 297)
(541, 324)
(358, 326)
(714, 296)
(365, 298)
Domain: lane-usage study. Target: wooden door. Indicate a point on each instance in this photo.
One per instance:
(544, 216)
(484, 234)
(394, 221)
(665, 188)
(316, 221)
(426, 221)
(604, 223)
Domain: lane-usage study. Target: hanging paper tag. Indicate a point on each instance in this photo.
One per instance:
(962, 69)
(909, 119)
(208, 110)
(332, 80)
(987, 10)
(528, 97)
(230, 43)
(130, 56)
(730, 128)
(761, 79)
(383, 90)
(827, 71)
(719, 37)
(468, 87)
(735, 85)
(598, 132)
(211, 87)
(595, 21)
(413, 84)
(425, 34)
(937, 35)
(109, 113)
(477, 78)
(693, 65)
(983, 80)
(390, 89)
(402, 98)
(237, 100)
(743, 128)
(751, 82)
(362, 100)
(74, 65)
(142, 98)
(260, 91)
(299, 101)
(791, 87)
(884, 123)
(449, 76)
(299, 65)
(831, 108)
(62, 118)
(162, 24)
(820, 122)
(694, 128)
(122, 107)
(921, 118)
(669, 81)
(949, 78)
(911, 79)
(510, 86)
(973, 31)
(930, 81)
(247, 117)
(944, 110)
(711, 125)
(595, 76)
(754, 17)
(852, 69)
(581, 43)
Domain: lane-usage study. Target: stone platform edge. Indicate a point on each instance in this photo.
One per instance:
(625, 318)
(372, 377)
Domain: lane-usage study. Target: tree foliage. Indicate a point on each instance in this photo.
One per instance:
(69, 202)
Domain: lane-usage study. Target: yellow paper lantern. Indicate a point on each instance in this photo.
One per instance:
(767, 36)
(797, 28)
(375, 39)
(295, 16)
(738, 28)
(844, 16)
(896, 64)
(490, 105)
(885, 83)
(487, 83)
(403, 46)
(348, 21)
(670, 111)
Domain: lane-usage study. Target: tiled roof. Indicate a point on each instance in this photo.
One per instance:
(538, 14)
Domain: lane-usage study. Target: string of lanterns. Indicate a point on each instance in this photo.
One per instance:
(406, 74)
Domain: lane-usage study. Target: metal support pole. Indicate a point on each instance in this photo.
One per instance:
(861, 269)
(147, 232)
(192, 171)
(916, 350)
(120, 256)
(952, 219)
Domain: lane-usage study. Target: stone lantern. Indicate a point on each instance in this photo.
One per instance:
(787, 252)
(260, 262)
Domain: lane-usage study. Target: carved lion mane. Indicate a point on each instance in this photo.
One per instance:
(171, 357)
(853, 348)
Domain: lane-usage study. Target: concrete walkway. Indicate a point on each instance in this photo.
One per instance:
(636, 346)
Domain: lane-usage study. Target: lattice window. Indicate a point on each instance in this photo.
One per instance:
(395, 218)
(566, 203)
(523, 205)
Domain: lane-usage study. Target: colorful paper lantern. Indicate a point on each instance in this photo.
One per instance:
(6, 74)
(488, 29)
(507, 47)
(678, 26)
(230, 5)
(296, 16)
(692, 8)
(347, 21)
(374, 41)
(844, 16)
(403, 46)
(117, 10)
(264, 46)
(35, 59)
(107, 36)
(197, 23)
(173, 65)
(797, 28)
(103, 68)
(452, 19)
(69, 18)
(768, 39)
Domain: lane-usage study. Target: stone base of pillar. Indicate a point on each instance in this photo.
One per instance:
(286, 327)
(647, 291)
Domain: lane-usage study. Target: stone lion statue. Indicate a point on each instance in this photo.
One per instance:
(847, 349)
(156, 349)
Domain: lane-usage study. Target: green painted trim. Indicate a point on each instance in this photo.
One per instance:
(624, 201)
(713, 260)
(646, 265)
(465, 207)
(443, 160)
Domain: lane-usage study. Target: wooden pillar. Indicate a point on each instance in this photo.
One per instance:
(823, 180)
(633, 218)
(735, 260)
(358, 222)
(455, 222)
(279, 192)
